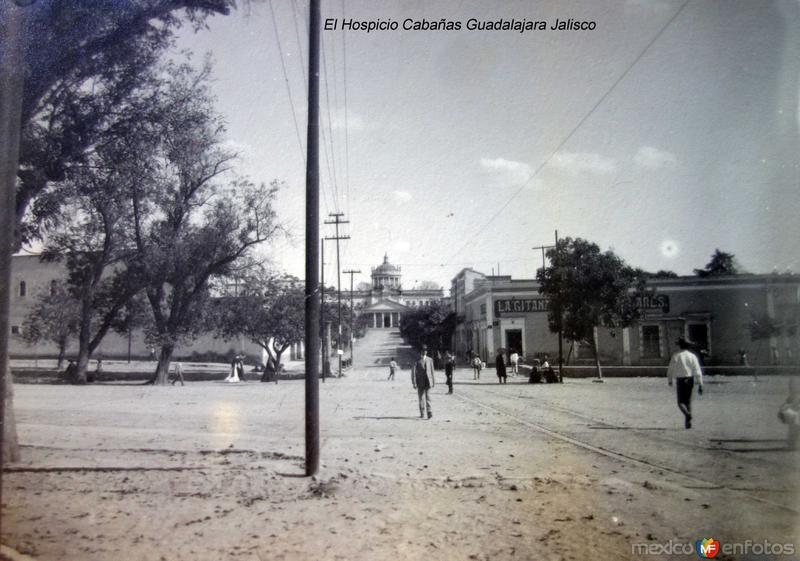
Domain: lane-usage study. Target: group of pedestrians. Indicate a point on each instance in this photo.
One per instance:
(684, 370)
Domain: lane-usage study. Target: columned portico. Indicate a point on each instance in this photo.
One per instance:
(384, 320)
(384, 314)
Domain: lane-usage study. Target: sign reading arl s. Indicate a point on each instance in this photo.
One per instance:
(653, 303)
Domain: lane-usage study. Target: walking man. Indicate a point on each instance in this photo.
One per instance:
(392, 368)
(685, 369)
(422, 378)
(178, 376)
(449, 365)
(514, 362)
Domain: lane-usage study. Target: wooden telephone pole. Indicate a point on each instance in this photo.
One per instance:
(337, 219)
(312, 300)
(351, 272)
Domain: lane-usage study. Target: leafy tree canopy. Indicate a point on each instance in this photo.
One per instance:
(587, 288)
(431, 325)
(84, 58)
(721, 264)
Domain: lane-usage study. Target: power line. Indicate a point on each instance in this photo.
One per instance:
(346, 121)
(286, 80)
(299, 42)
(574, 129)
(325, 192)
(330, 126)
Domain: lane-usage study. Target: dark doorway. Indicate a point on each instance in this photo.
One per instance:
(514, 341)
(698, 334)
(387, 320)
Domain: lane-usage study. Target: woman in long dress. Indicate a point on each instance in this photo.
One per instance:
(234, 375)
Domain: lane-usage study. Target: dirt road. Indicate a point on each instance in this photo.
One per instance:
(572, 471)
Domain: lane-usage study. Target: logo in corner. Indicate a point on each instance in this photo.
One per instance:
(707, 548)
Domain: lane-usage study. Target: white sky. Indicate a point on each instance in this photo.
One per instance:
(695, 148)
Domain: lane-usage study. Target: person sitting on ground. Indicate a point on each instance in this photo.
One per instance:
(549, 374)
(536, 373)
(69, 371)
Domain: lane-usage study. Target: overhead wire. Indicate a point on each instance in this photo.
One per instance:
(286, 81)
(572, 131)
(330, 127)
(326, 192)
(346, 119)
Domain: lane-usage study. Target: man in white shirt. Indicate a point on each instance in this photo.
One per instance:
(685, 369)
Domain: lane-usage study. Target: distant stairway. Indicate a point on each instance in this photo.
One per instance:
(374, 351)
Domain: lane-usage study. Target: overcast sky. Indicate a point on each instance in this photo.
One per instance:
(668, 131)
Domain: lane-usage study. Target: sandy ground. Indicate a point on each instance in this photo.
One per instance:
(573, 471)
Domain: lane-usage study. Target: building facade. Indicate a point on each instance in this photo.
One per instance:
(384, 304)
(386, 301)
(31, 277)
(729, 317)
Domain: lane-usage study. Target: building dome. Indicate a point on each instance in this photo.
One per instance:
(386, 275)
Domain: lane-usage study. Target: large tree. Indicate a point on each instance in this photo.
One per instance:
(588, 288)
(269, 310)
(721, 264)
(193, 219)
(84, 58)
(54, 318)
(67, 47)
(432, 325)
(89, 231)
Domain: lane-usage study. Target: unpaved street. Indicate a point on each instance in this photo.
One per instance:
(572, 471)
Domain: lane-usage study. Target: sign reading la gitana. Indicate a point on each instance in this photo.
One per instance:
(521, 305)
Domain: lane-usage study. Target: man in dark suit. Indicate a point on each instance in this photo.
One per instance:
(422, 378)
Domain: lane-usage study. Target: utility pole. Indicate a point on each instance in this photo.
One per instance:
(560, 339)
(336, 221)
(543, 248)
(560, 331)
(324, 346)
(351, 272)
(312, 249)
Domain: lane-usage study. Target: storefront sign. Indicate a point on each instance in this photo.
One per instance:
(653, 303)
(521, 305)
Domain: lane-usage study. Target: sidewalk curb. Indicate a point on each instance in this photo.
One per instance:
(9, 554)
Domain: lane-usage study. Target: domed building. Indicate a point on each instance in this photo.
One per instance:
(386, 301)
(386, 275)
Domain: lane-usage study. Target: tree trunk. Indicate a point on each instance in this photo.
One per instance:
(10, 442)
(162, 369)
(84, 337)
(596, 357)
(278, 353)
(62, 350)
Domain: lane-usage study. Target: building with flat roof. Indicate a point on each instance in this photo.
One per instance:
(757, 315)
(386, 301)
